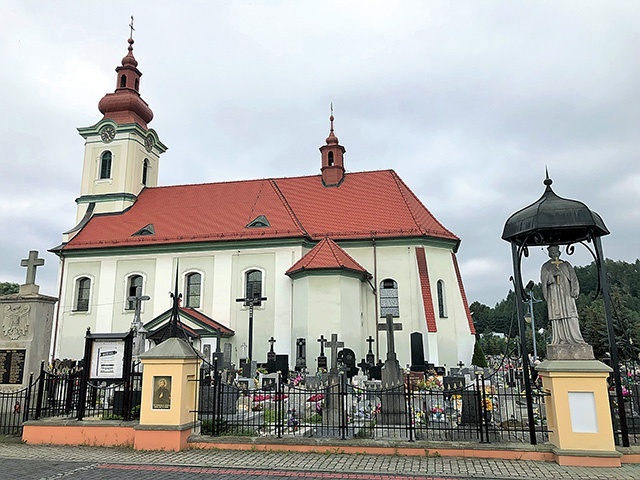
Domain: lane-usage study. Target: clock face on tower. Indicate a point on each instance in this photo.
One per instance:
(107, 134)
(148, 143)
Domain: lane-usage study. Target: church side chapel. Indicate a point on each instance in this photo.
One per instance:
(294, 260)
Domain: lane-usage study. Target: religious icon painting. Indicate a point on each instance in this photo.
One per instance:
(161, 392)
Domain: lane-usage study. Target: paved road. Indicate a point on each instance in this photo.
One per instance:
(33, 462)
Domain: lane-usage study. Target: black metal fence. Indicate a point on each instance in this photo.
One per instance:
(485, 410)
(15, 408)
(630, 382)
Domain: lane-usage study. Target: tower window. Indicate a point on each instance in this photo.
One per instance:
(137, 84)
(253, 285)
(194, 286)
(145, 170)
(105, 165)
(123, 81)
(389, 298)
(330, 159)
(442, 304)
(83, 288)
(133, 283)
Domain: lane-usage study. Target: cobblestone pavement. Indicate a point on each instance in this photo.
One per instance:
(27, 462)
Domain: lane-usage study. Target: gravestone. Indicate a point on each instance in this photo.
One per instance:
(470, 408)
(370, 358)
(417, 353)
(322, 359)
(26, 322)
(226, 356)
(334, 345)
(301, 354)
(394, 408)
(348, 359)
(375, 372)
(206, 351)
(440, 371)
(271, 354)
(209, 405)
(282, 366)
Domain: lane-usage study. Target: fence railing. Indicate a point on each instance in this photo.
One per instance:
(15, 408)
(484, 411)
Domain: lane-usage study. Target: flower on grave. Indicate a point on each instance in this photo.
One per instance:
(437, 410)
(488, 404)
(295, 381)
(432, 382)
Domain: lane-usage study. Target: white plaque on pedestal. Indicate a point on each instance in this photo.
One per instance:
(582, 409)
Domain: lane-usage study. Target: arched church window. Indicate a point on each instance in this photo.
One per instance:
(123, 81)
(133, 282)
(83, 289)
(137, 84)
(389, 298)
(105, 165)
(145, 171)
(442, 304)
(194, 286)
(330, 159)
(253, 285)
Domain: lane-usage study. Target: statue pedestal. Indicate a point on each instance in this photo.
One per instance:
(578, 413)
(573, 351)
(168, 396)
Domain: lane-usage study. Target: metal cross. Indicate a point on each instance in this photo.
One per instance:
(32, 262)
(334, 345)
(250, 302)
(131, 26)
(322, 341)
(136, 324)
(272, 341)
(460, 364)
(370, 341)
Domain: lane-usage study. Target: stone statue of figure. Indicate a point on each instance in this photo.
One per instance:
(560, 289)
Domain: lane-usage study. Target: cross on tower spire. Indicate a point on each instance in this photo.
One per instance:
(131, 27)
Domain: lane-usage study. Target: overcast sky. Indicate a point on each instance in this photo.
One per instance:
(467, 101)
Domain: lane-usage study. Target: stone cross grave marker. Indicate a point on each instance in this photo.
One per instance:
(334, 345)
(390, 327)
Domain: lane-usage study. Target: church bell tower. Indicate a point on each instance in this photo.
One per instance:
(121, 153)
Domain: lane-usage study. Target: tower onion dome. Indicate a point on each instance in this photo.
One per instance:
(553, 220)
(332, 139)
(125, 104)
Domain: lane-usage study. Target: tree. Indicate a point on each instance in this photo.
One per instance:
(7, 288)
(478, 359)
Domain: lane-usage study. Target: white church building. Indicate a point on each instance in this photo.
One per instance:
(332, 252)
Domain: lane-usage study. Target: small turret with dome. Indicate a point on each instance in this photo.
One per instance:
(332, 159)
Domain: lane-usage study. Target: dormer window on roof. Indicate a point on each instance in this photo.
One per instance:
(146, 230)
(259, 222)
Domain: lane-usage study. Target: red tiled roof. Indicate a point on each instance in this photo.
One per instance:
(472, 327)
(427, 299)
(326, 255)
(366, 205)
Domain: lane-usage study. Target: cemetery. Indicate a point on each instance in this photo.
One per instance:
(173, 396)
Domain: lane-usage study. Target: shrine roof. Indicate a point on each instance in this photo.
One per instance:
(375, 204)
(327, 255)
